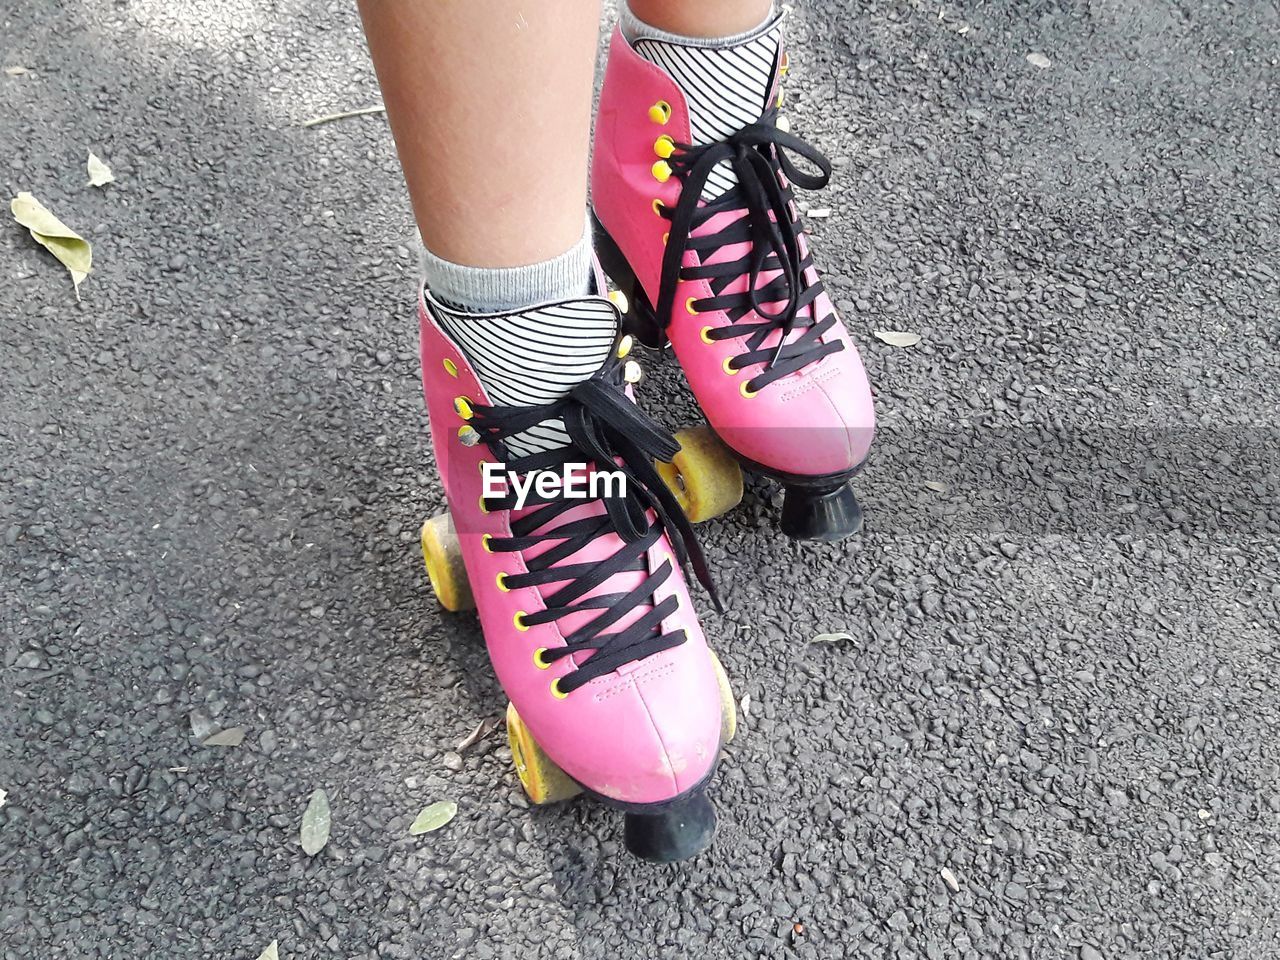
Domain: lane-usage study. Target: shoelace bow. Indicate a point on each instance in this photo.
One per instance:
(757, 153)
(606, 431)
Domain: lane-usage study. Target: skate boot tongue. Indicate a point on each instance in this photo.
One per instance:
(534, 357)
(725, 87)
(594, 558)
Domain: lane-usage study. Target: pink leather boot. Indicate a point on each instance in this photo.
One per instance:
(613, 689)
(730, 284)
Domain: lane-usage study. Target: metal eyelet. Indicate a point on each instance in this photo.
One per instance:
(555, 689)
(450, 367)
(538, 660)
(747, 391)
(485, 540)
(688, 305)
(462, 406)
(501, 580)
(518, 620)
(705, 334)
(625, 345)
(661, 171)
(658, 206)
(664, 147)
(660, 112)
(728, 367)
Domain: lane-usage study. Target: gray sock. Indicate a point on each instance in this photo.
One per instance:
(495, 289)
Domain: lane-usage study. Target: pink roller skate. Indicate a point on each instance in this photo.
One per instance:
(695, 214)
(613, 689)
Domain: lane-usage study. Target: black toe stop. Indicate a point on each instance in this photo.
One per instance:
(677, 832)
(816, 514)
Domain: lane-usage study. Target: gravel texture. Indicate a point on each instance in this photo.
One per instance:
(1055, 733)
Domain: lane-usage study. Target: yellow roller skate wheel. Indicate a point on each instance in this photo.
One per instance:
(543, 781)
(442, 554)
(728, 708)
(704, 477)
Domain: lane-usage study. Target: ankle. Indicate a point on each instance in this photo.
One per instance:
(711, 23)
(484, 290)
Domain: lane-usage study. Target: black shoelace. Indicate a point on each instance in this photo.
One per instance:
(608, 432)
(770, 223)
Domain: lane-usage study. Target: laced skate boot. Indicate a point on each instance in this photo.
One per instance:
(582, 598)
(692, 180)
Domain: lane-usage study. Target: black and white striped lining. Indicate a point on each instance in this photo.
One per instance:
(533, 357)
(726, 88)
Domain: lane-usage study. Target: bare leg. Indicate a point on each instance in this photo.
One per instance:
(704, 18)
(490, 104)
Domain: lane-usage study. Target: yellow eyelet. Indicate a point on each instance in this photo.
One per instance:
(747, 391)
(625, 345)
(484, 542)
(688, 305)
(450, 367)
(705, 334)
(665, 238)
(785, 65)
(728, 366)
(501, 579)
(469, 435)
(658, 206)
(660, 112)
(664, 147)
(483, 508)
(661, 171)
(463, 407)
(781, 98)
(518, 620)
(632, 372)
(783, 124)
(619, 300)
(555, 689)
(537, 659)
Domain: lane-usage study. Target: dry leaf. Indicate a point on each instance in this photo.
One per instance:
(1038, 60)
(16, 71)
(99, 173)
(950, 880)
(315, 824)
(937, 486)
(832, 638)
(434, 816)
(482, 730)
(230, 737)
(897, 338)
(272, 952)
(746, 705)
(71, 249)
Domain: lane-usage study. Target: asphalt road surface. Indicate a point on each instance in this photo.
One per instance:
(1055, 730)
